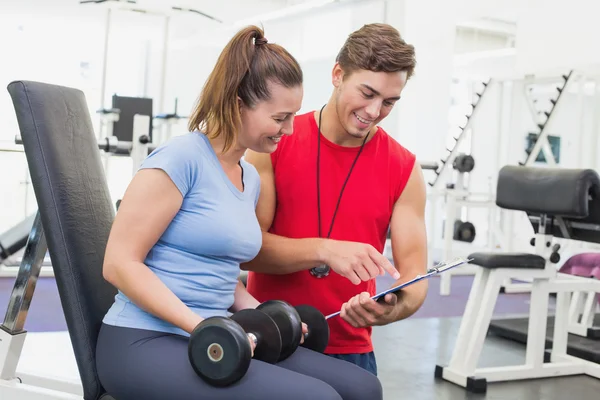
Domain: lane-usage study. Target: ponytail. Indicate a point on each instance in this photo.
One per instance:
(244, 68)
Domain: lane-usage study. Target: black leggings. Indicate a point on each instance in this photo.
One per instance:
(136, 364)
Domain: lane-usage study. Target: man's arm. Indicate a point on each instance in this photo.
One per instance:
(409, 248)
(409, 243)
(280, 255)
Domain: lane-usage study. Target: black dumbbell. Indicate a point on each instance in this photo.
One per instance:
(289, 320)
(317, 337)
(219, 349)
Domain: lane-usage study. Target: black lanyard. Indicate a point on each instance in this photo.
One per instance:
(323, 270)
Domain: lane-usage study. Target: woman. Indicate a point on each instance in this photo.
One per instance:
(185, 224)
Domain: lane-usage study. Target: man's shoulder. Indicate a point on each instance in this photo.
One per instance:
(304, 125)
(304, 119)
(395, 148)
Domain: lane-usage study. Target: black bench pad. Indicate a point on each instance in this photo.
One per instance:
(508, 260)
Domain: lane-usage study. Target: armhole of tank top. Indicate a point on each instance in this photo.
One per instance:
(408, 159)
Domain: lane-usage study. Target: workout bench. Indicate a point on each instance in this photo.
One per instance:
(75, 214)
(562, 203)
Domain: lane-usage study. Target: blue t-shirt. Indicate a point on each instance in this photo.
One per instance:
(198, 256)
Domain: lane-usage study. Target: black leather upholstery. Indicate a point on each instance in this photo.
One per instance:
(553, 191)
(75, 208)
(508, 260)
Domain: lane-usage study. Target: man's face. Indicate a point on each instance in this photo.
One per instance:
(364, 98)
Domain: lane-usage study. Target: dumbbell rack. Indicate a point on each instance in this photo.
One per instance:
(452, 152)
(543, 135)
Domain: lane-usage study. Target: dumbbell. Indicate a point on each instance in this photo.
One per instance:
(464, 163)
(289, 321)
(317, 337)
(220, 352)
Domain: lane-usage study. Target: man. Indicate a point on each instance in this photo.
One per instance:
(331, 191)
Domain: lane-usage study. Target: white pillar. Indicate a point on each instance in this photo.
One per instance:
(420, 120)
(553, 36)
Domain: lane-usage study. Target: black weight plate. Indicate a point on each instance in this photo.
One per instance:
(288, 321)
(318, 329)
(268, 347)
(219, 351)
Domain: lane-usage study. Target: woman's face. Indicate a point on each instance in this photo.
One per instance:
(265, 123)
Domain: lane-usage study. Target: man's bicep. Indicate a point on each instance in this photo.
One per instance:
(265, 207)
(407, 226)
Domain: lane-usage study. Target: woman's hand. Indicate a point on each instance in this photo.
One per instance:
(252, 345)
(304, 332)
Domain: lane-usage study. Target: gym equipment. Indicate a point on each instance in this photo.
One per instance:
(458, 200)
(562, 203)
(128, 108)
(317, 337)
(542, 136)
(167, 122)
(289, 320)
(429, 165)
(137, 149)
(583, 304)
(583, 319)
(290, 325)
(75, 213)
(464, 163)
(11, 243)
(165, 11)
(15, 238)
(464, 231)
(219, 349)
(453, 152)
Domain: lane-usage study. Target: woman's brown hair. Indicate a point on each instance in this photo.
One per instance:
(243, 70)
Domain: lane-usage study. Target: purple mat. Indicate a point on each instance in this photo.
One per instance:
(45, 313)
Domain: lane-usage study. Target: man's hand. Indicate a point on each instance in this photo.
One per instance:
(356, 261)
(362, 311)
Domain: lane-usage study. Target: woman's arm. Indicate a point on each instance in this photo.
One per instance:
(147, 208)
(243, 299)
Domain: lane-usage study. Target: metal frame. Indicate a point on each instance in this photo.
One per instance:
(452, 153)
(582, 310)
(495, 235)
(462, 369)
(14, 385)
(454, 199)
(542, 143)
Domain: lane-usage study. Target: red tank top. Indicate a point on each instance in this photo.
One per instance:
(364, 213)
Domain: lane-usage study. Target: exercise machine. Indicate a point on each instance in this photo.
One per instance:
(15, 238)
(166, 12)
(166, 122)
(457, 229)
(539, 149)
(559, 203)
(451, 197)
(584, 304)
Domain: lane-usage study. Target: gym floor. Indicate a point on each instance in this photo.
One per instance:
(407, 352)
